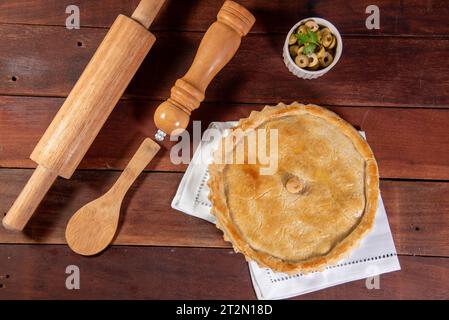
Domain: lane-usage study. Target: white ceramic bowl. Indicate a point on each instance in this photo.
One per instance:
(309, 74)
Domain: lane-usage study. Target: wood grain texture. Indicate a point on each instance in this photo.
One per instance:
(218, 46)
(77, 123)
(418, 212)
(146, 11)
(409, 17)
(391, 67)
(29, 199)
(146, 210)
(94, 96)
(46, 61)
(93, 227)
(38, 272)
(408, 143)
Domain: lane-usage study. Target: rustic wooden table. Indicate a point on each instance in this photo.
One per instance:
(393, 83)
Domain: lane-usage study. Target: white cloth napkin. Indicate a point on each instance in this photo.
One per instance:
(375, 255)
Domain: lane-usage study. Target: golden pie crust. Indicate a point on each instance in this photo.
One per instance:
(331, 209)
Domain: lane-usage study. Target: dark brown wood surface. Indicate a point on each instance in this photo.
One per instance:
(407, 17)
(392, 83)
(389, 131)
(388, 76)
(38, 272)
(148, 219)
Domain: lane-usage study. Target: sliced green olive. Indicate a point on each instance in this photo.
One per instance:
(293, 50)
(326, 40)
(314, 68)
(312, 25)
(318, 35)
(292, 39)
(313, 60)
(326, 60)
(302, 29)
(302, 61)
(321, 52)
(326, 30)
(333, 43)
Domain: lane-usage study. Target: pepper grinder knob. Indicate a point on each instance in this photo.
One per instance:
(218, 46)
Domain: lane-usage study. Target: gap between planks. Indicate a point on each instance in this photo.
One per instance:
(149, 247)
(224, 103)
(257, 32)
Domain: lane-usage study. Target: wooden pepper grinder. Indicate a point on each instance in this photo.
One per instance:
(92, 228)
(218, 46)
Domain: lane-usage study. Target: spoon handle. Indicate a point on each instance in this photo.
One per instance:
(139, 161)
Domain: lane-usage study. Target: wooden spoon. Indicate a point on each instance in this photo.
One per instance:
(92, 228)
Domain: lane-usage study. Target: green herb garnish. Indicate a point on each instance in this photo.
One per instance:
(302, 38)
(309, 48)
(309, 40)
(313, 37)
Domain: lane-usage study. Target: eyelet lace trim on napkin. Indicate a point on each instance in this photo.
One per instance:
(340, 265)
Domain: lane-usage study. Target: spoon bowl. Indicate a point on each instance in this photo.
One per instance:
(92, 228)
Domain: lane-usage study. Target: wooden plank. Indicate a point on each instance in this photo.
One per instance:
(408, 143)
(46, 61)
(147, 217)
(420, 278)
(418, 212)
(397, 18)
(38, 272)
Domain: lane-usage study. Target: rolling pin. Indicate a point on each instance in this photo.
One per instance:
(93, 227)
(87, 107)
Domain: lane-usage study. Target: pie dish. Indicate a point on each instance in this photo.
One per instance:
(317, 205)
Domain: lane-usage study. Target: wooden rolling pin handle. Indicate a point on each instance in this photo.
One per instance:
(217, 48)
(29, 199)
(146, 11)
